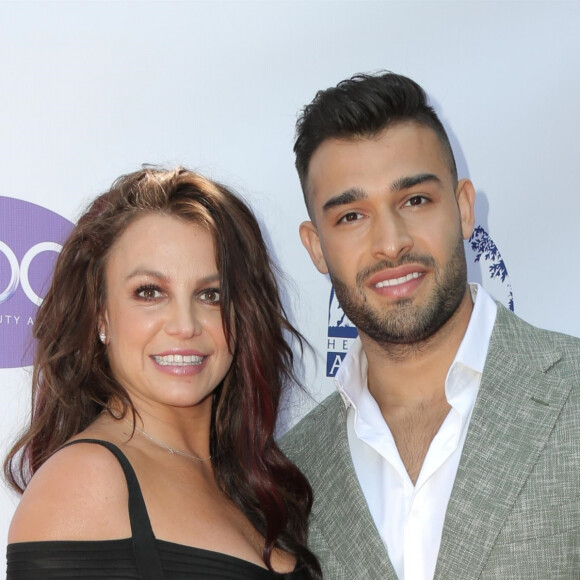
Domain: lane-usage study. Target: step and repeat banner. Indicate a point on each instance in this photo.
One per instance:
(92, 90)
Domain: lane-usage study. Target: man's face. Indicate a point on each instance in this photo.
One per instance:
(388, 227)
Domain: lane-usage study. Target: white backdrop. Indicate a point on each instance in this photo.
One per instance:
(91, 90)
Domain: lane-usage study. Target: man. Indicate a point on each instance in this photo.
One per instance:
(452, 448)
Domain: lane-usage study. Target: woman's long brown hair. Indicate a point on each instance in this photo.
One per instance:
(73, 382)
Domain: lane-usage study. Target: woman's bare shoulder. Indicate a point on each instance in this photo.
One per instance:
(80, 493)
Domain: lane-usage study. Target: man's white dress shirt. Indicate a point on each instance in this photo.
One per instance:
(410, 517)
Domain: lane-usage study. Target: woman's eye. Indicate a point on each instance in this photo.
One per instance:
(212, 295)
(148, 292)
(351, 216)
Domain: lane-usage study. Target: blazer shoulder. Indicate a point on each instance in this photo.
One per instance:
(313, 431)
(544, 347)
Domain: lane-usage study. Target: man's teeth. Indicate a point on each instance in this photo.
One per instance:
(178, 360)
(397, 281)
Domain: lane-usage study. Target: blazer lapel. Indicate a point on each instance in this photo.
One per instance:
(517, 406)
(340, 511)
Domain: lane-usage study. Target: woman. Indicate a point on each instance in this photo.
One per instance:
(161, 353)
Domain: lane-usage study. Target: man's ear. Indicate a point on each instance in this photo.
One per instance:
(466, 202)
(311, 241)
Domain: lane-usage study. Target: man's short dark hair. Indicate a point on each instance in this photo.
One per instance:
(362, 107)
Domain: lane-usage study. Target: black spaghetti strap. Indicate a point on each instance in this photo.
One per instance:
(146, 555)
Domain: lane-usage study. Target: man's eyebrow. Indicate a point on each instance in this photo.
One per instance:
(356, 194)
(348, 196)
(412, 180)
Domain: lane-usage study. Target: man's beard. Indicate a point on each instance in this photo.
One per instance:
(405, 323)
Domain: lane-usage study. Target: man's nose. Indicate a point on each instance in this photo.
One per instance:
(390, 237)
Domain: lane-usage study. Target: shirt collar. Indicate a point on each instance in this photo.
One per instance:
(472, 351)
(351, 377)
(464, 375)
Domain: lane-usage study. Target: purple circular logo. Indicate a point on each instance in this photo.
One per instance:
(31, 237)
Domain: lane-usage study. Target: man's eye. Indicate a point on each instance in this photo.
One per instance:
(351, 216)
(148, 292)
(212, 296)
(416, 200)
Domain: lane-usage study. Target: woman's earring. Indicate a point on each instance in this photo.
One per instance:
(103, 337)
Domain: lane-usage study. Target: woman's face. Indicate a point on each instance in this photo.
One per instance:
(165, 338)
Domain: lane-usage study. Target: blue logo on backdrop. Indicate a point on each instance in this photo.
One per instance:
(341, 334)
(484, 265)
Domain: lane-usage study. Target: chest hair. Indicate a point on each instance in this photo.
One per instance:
(413, 430)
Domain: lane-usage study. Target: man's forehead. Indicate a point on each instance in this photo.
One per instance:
(397, 144)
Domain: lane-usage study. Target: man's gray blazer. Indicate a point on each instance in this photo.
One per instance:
(514, 512)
